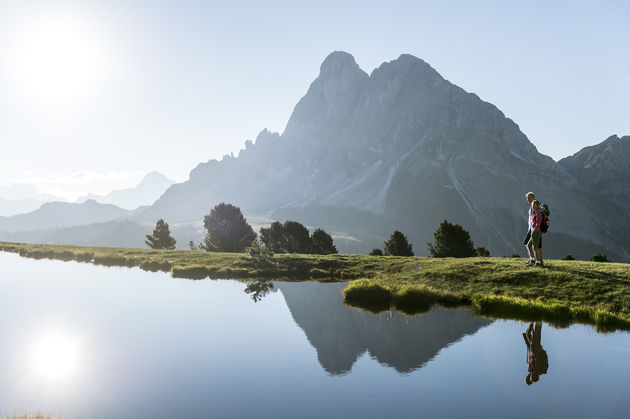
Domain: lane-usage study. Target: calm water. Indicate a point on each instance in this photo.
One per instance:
(95, 342)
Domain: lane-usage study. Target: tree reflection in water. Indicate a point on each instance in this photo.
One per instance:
(259, 288)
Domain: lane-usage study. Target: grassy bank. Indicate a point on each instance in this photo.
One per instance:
(563, 292)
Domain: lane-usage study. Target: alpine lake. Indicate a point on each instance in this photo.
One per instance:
(86, 341)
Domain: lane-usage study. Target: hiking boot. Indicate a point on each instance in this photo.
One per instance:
(530, 263)
(537, 265)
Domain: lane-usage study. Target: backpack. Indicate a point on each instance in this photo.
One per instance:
(544, 226)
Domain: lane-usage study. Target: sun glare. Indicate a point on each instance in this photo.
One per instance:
(58, 62)
(55, 356)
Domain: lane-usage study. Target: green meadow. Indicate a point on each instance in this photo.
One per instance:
(563, 292)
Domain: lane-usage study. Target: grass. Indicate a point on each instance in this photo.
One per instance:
(563, 292)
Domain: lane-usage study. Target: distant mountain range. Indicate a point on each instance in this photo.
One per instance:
(145, 193)
(403, 148)
(19, 198)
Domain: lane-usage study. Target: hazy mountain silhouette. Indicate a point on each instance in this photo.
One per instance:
(62, 214)
(145, 193)
(341, 334)
(18, 198)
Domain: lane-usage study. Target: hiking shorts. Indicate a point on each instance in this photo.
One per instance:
(528, 236)
(536, 239)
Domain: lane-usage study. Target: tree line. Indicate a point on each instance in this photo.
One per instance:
(228, 231)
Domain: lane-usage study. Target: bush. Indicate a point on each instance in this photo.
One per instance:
(599, 257)
(482, 252)
(376, 252)
(568, 257)
(258, 251)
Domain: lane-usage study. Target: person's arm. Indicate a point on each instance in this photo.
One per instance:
(537, 221)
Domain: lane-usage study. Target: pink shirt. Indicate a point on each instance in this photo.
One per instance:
(537, 219)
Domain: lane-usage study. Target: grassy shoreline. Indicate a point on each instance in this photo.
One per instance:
(564, 292)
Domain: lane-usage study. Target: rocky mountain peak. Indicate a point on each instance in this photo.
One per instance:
(330, 99)
(337, 63)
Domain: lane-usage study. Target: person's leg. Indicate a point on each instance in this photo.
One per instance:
(536, 236)
(528, 244)
(540, 250)
(531, 249)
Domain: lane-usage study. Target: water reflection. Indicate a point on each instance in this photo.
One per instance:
(259, 288)
(54, 355)
(537, 360)
(341, 334)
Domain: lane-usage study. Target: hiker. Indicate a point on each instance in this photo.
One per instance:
(536, 234)
(532, 259)
(537, 360)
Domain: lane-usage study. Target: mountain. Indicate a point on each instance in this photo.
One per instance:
(53, 215)
(401, 148)
(145, 193)
(18, 198)
(603, 170)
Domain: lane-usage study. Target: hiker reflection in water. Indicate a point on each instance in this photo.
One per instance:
(537, 361)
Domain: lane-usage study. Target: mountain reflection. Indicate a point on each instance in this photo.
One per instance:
(341, 334)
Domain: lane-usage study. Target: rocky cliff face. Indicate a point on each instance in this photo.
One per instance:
(603, 170)
(403, 149)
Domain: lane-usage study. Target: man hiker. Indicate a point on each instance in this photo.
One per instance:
(527, 242)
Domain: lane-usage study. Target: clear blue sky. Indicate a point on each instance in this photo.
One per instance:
(126, 87)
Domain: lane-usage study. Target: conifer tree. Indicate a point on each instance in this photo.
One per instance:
(397, 245)
(161, 237)
(451, 240)
(227, 230)
(322, 243)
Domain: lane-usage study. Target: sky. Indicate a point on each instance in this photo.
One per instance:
(95, 94)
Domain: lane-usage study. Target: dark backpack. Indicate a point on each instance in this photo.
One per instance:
(544, 226)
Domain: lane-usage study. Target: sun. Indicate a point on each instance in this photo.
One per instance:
(57, 62)
(55, 356)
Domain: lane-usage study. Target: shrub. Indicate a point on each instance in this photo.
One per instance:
(568, 257)
(482, 252)
(376, 252)
(599, 257)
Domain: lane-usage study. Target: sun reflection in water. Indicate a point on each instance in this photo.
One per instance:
(55, 355)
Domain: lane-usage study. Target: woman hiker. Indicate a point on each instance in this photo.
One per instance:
(532, 259)
(535, 234)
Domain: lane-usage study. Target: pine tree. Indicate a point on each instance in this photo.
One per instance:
(227, 229)
(451, 240)
(297, 238)
(273, 237)
(397, 245)
(161, 237)
(322, 243)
